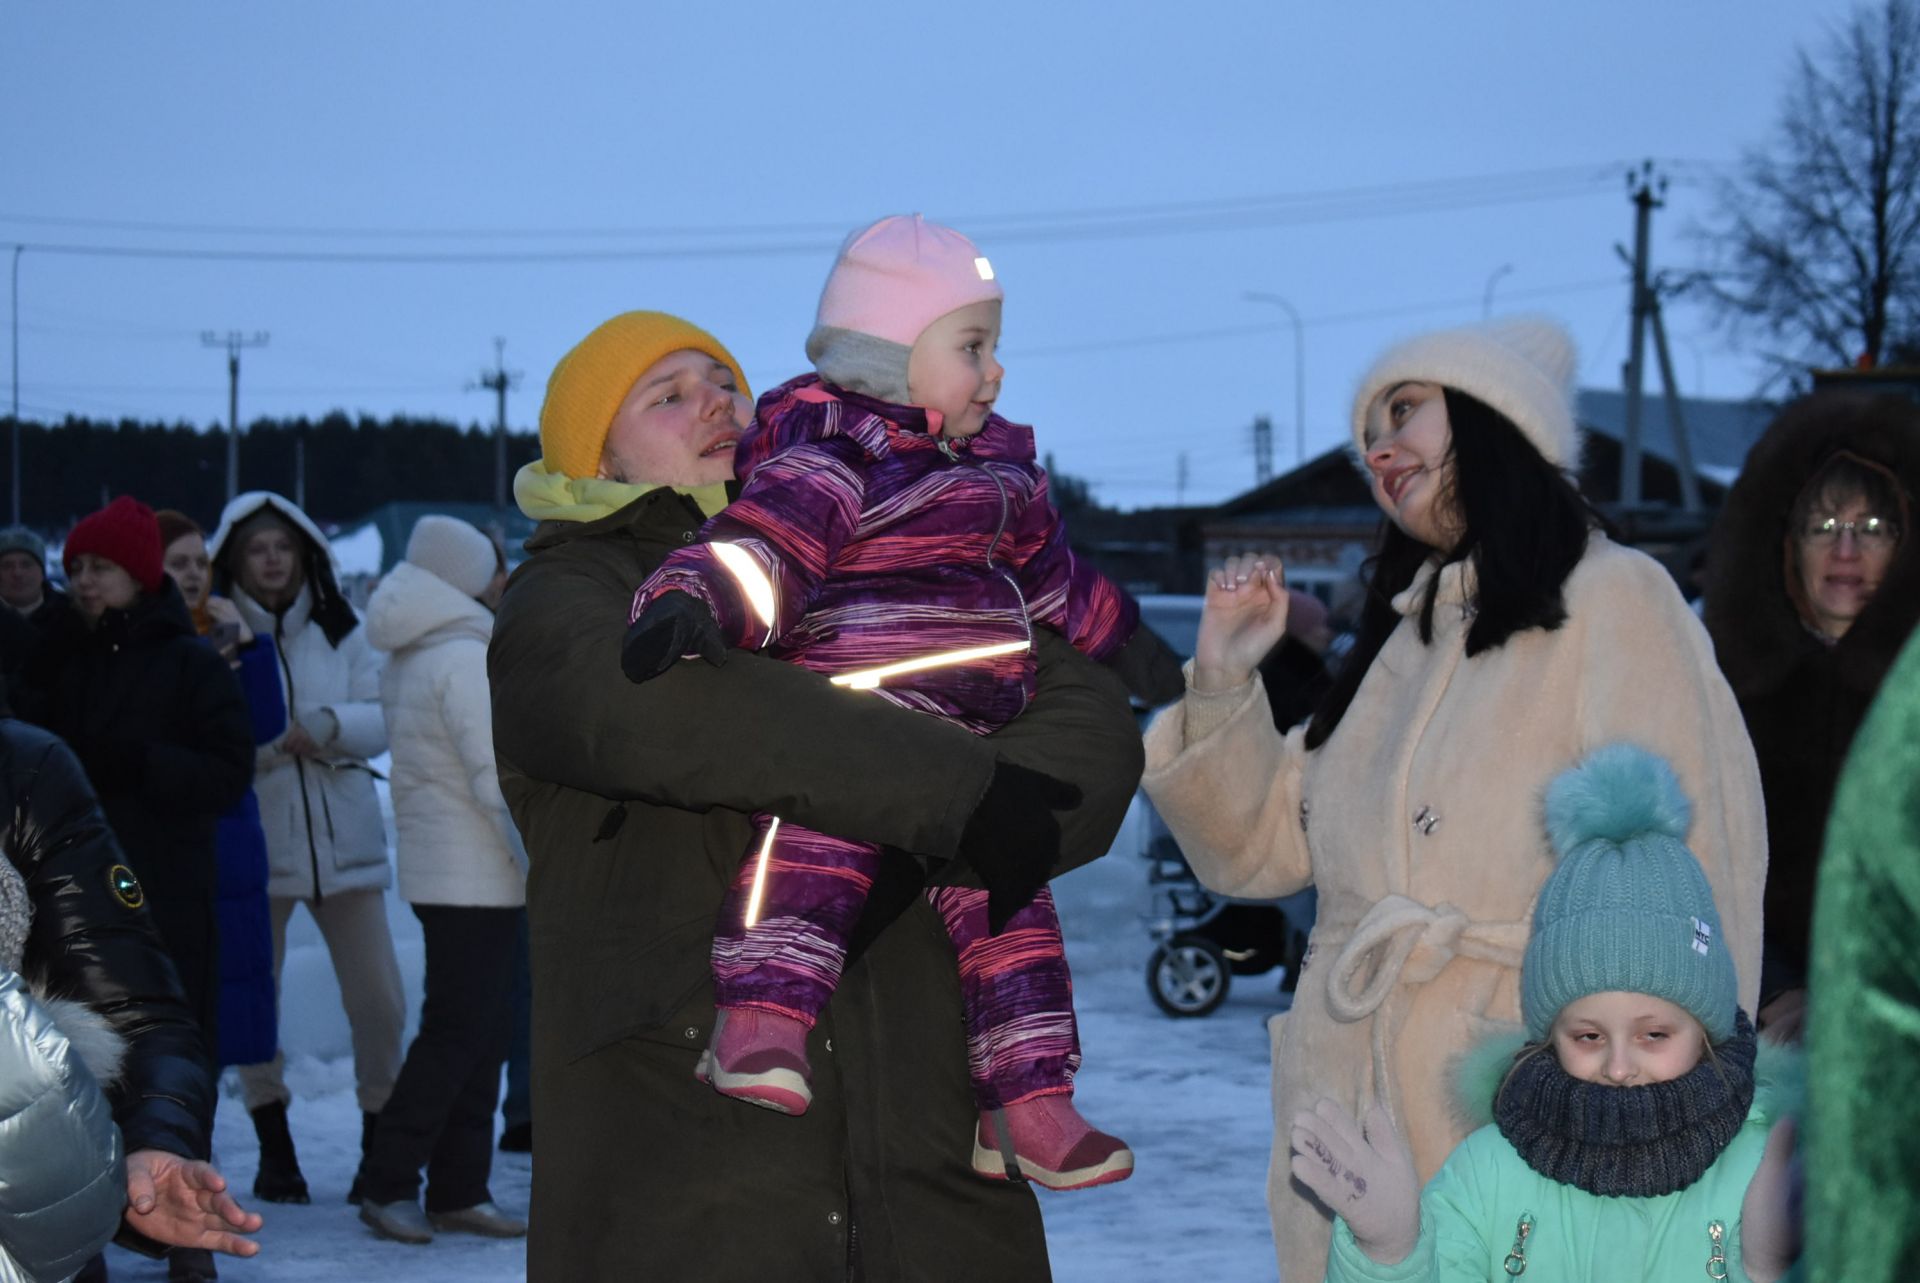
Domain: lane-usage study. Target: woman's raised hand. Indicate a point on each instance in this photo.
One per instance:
(1244, 617)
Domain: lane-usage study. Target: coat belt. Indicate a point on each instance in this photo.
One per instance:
(1401, 942)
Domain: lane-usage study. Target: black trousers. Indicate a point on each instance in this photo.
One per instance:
(440, 1116)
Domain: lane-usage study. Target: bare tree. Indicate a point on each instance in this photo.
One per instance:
(1817, 239)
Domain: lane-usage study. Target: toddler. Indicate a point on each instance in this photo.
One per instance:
(894, 532)
(1629, 1136)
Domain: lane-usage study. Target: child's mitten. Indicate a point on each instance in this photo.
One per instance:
(1365, 1176)
(673, 624)
(1012, 838)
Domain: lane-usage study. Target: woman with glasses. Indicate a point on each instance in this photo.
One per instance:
(1812, 587)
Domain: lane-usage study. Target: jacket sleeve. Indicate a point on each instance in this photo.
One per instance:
(259, 674)
(1065, 593)
(749, 736)
(466, 712)
(1232, 797)
(208, 769)
(1648, 676)
(363, 726)
(60, 1157)
(798, 509)
(92, 945)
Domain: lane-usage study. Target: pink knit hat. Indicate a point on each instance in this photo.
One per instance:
(894, 279)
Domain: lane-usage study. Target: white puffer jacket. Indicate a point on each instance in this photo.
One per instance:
(61, 1164)
(321, 814)
(455, 842)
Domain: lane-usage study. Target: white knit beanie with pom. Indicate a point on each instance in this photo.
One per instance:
(1522, 366)
(454, 551)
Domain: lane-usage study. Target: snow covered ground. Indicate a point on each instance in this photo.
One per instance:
(1191, 1096)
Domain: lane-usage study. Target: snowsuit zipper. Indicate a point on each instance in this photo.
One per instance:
(993, 545)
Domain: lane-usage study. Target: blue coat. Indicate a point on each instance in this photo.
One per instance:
(249, 1023)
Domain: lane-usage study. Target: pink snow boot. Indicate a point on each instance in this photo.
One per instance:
(1046, 1140)
(759, 1057)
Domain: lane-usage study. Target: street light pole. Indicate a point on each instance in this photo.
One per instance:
(1299, 370)
(1493, 279)
(233, 342)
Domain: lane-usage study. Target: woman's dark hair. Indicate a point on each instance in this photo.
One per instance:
(1525, 529)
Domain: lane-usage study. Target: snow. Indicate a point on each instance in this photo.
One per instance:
(359, 551)
(1191, 1097)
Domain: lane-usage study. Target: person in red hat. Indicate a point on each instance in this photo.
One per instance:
(159, 723)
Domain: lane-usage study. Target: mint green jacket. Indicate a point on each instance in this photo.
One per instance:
(1473, 1211)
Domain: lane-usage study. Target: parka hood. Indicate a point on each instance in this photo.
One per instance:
(412, 606)
(1757, 631)
(331, 610)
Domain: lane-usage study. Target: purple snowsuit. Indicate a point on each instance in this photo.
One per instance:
(860, 540)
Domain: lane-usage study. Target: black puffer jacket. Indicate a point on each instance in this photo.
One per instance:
(1802, 698)
(158, 721)
(92, 940)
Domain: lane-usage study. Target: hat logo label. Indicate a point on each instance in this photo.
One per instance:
(983, 267)
(1702, 937)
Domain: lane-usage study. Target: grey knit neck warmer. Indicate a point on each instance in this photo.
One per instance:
(1635, 1142)
(16, 915)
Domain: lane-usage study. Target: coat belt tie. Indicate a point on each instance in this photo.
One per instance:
(1400, 941)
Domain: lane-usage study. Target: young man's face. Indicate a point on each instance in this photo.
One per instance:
(22, 579)
(678, 424)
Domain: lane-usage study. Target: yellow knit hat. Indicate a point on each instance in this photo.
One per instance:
(591, 381)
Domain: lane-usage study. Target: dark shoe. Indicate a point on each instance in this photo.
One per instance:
(190, 1265)
(481, 1218)
(279, 1179)
(369, 1123)
(517, 1138)
(401, 1222)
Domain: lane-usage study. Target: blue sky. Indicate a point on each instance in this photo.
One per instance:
(1133, 169)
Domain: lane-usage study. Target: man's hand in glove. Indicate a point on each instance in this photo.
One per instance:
(673, 624)
(1012, 838)
(1365, 1176)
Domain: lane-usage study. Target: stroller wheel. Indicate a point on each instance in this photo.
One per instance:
(1188, 976)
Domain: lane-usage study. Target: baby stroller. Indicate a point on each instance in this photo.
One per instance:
(1203, 940)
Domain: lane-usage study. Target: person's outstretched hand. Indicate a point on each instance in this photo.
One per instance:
(672, 625)
(183, 1202)
(1012, 839)
(1770, 1213)
(1243, 617)
(1365, 1175)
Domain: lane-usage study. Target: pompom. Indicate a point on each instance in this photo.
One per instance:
(1615, 793)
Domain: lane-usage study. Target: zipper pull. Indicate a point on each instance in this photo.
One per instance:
(946, 448)
(1717, 1261)
(1516, 1263)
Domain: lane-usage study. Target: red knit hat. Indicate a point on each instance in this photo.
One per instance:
(125, 533)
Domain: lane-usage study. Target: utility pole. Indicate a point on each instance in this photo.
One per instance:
(1299, 371)
(1262, 450)
(233, 342)
(1645, 190)
(15, 331)
(497, 381)
(1180, 482)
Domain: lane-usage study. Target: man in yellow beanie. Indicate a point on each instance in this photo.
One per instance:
(634, 802)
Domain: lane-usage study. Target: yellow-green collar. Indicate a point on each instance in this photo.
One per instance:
(553, 496)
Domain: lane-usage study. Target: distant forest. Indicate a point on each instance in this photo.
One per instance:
(353, 465)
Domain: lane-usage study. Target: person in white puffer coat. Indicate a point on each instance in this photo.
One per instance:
(462, 868)
(326, 839)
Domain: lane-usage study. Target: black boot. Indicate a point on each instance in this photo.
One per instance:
(368, 1123)
(279, 1179)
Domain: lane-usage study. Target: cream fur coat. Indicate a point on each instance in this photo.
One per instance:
(1420, 822)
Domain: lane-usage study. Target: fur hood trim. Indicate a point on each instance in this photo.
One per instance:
(1757, 632)
(100, 1047)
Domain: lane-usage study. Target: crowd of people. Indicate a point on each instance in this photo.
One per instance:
(1570, 988)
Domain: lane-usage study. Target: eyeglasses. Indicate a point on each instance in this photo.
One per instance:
(1872, 534)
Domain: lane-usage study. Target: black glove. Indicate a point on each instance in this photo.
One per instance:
(1149, 668)
(1012, 838)
(672, 625)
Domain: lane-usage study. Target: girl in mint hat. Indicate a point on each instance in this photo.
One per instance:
(1634, 1134)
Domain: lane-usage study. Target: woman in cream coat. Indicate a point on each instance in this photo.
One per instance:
(1504, 637)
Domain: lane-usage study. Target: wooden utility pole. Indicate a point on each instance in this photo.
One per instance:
(1645, 189)
(497, 381)
(233, 342)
